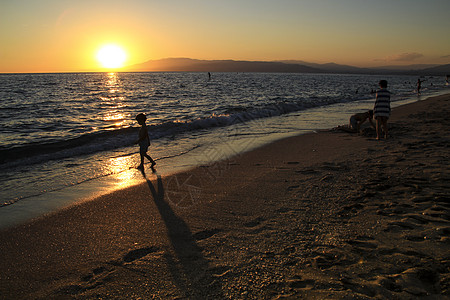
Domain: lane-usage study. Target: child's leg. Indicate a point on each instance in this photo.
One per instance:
(378, 127)
(150, 159)
(142, 160)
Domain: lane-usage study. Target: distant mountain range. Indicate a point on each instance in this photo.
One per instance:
(283, 66)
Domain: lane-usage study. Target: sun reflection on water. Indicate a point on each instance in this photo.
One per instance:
(112, 79)
(116, 118)
(113, 102)
(112, 83)
(123, 171)
(114, 115)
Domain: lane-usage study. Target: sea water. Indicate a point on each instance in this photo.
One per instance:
(66, 137)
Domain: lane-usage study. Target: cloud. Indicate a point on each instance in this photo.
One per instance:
(445, 56)
(403, 57)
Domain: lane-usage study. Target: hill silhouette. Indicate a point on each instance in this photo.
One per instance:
(282, 66)
(194, 65)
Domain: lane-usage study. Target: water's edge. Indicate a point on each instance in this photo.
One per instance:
(223, 143)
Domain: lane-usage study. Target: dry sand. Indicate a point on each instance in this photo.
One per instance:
(322, 215)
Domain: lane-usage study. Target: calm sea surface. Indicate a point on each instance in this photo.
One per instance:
(59, 132)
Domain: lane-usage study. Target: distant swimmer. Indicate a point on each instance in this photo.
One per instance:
(419, 85)
(209, 76)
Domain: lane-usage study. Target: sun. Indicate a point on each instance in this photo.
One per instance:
(111, 56)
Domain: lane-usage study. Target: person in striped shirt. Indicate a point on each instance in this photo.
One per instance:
(382, 109)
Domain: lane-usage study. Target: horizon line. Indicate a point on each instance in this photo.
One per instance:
(281, 61)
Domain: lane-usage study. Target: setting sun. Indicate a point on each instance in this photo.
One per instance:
(111, 56)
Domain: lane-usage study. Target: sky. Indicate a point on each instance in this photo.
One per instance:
(65, 35)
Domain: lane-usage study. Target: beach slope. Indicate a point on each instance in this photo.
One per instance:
(325, 215)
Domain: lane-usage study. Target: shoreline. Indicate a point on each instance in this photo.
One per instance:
(219, 146)
(325, 214)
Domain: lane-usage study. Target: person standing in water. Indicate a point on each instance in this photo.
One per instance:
(143, 141)
(419, 85)
(382, 109)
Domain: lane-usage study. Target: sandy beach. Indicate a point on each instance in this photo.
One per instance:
(326, 215)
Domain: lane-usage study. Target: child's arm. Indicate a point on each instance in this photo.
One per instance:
(142, 135)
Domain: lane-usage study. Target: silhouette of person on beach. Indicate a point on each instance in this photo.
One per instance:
(382, 109)
(419, 85)
(144, 142)
(358, 119)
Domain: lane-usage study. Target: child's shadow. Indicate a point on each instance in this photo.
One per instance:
(187, 260)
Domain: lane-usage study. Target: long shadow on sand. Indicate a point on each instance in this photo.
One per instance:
(189, 268)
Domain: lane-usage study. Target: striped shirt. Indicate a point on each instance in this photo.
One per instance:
(382, 106)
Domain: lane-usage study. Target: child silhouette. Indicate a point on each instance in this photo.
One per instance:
(144, 142)
(382, 109)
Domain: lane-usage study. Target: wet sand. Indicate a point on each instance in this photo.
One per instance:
(322, 215)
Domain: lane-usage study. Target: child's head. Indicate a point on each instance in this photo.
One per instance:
(141, 118)
(383, 84)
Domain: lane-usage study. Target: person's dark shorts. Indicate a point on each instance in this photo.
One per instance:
(143, 146)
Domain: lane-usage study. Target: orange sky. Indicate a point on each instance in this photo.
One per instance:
(64, 35)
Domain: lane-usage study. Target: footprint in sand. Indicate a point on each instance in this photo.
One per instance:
(332, 258)
(416, 281)
(96, 278)
(323, 262)
(400, 226)
(388, 251)
(95, 272)
(348, 210)
(417, 219)
(388, 283)
(443, 231)
(329, 166)
(293, 187)
(362, 244)
(361, 289)
(422, 199)
(307, 171)
(302, 284)
(362, 247)
(72, 289)
(414, 253)
(439, 215)
(205, 234)
(364, 238)
(101, 275)
(438, 208)
(220, 271)
(254, 223)
(138, 253)
(415, 238)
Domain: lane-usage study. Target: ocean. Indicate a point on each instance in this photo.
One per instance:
(68, 137)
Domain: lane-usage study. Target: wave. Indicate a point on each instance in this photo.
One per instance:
(86, 144)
